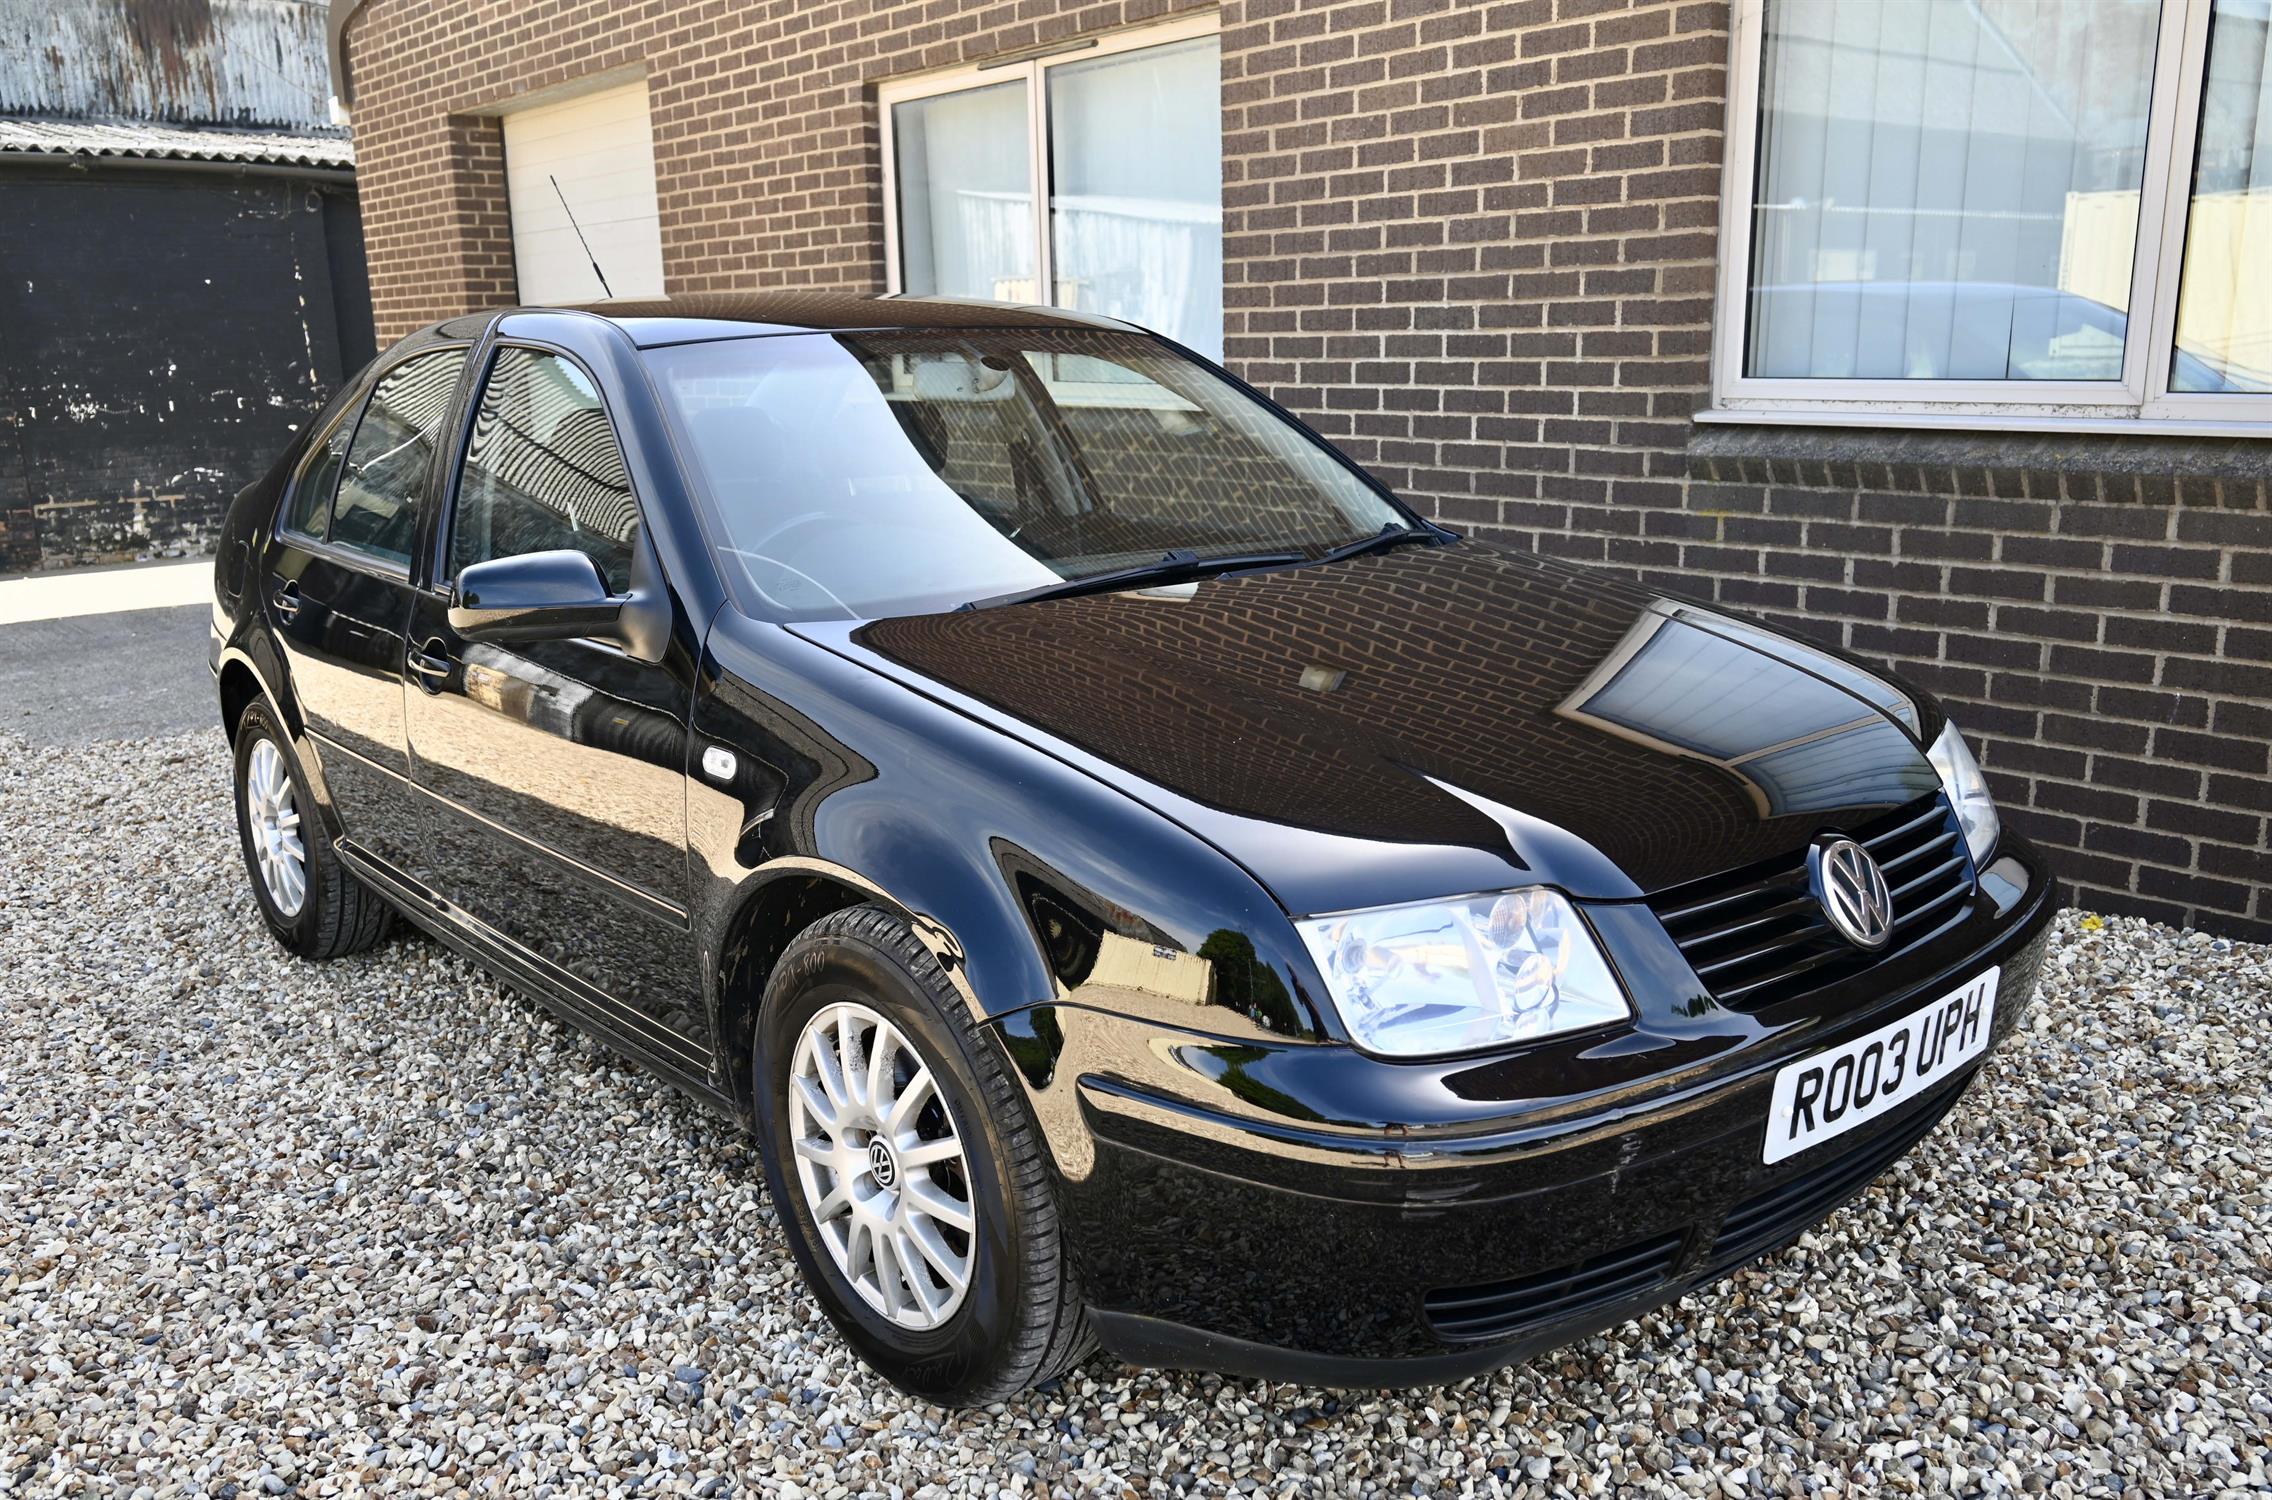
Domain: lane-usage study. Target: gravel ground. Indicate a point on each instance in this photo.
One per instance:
(273, 1228)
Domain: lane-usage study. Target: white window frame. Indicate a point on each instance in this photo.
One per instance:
(2141, 401)
(1033, 69)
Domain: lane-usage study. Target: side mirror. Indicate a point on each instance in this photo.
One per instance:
(538, 596)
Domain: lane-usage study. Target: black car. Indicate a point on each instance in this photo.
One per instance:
(1144, 885)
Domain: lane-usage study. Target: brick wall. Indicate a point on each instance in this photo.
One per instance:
(1475, 243)
(768, 162)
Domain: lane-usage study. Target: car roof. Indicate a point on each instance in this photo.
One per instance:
(721, 315)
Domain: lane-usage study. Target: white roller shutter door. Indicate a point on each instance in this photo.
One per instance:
(600, 149)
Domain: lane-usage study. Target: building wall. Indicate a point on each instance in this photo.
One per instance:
(1475, 243)
(768, 159)
(212, 62)
(130, 408)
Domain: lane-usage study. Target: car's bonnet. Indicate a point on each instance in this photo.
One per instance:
(1433, 720)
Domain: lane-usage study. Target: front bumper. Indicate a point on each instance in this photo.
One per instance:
(1256, 1233)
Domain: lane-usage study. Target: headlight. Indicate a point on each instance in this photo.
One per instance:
(1968, 792)
(1458, 975)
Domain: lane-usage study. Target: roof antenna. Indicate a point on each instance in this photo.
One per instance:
(607, 290)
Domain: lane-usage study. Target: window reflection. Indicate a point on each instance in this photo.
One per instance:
(311, 499)
(543, 472)
(393, 452)
(955, 467)
(2224, 307)
(1796, 742)
(1948, 189)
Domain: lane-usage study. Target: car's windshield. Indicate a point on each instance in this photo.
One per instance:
(871, 474)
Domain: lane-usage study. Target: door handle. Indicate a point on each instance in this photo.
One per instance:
(286, 599)
(431, 662)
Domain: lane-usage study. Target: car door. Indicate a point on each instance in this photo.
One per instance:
(337, 587)
(565, 760)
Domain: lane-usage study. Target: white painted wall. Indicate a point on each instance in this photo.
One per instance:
(600, 147)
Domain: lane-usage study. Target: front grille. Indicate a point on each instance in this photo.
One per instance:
(1787, 1210)
(1757, 936)
(1503, 1308)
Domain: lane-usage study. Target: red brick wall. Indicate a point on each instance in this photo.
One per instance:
(1475, 243)
(768, 163)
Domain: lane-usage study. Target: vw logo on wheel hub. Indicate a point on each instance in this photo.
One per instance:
(880, 1164)
(1852, 891)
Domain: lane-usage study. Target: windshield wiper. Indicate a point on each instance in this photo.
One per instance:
(1174, 566)
(1391, 534)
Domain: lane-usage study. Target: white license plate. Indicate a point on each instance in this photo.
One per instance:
(1828, 1094)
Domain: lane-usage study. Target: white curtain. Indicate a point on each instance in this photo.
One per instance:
(965, 183)
(1136, 206)
(1142, 259)
(1136, 191)
(1948, 189)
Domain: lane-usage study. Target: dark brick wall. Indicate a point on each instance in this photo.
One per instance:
(1475, 243)
(768, 156)
(2103, 630)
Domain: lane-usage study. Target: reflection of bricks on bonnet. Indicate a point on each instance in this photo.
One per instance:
(1412, 693)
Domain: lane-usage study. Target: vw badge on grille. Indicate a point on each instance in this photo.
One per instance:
(1852, 891)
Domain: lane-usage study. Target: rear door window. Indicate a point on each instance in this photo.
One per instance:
(387, 464)
(310, 510)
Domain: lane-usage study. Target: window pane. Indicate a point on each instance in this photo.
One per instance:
(311, 497)
(2224, 302)
(394, 447)
(543, 473)
(965, 176)
(1948, 190)
(1136, 189)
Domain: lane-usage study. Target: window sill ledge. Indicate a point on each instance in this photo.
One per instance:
(2034, 424)
(2091, 458)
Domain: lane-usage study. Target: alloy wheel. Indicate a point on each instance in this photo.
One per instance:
(881, 1165)
(274, 816)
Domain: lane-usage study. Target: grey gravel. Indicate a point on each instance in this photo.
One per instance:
(276, 1228)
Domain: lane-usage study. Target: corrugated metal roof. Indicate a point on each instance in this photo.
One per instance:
(132, 138)
(217, 62)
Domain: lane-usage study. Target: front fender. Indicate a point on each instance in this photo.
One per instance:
(1034, 882)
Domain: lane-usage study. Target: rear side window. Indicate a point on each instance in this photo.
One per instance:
(377, 509)
(310, 513)
(543, 472)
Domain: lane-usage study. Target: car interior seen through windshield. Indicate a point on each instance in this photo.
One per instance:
(872, 474)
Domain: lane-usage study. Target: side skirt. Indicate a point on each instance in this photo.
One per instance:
(588, 1009)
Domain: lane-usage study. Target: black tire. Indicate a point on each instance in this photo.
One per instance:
(339, 914)
(1021, 1321)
